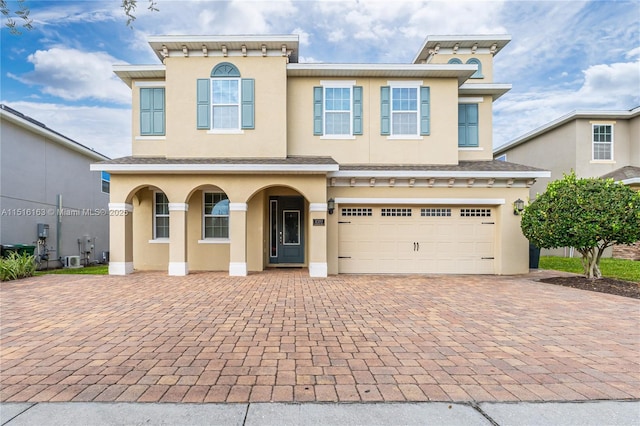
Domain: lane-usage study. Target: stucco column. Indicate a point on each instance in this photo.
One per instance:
(178, 239)
(238, 239)
(318, 239)
(120, 238)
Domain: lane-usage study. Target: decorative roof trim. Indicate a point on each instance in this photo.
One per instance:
(424, 201)
(438, 174)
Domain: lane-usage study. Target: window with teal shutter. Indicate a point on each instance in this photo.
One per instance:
(203, 107)
(357, 110)
(455, 61)
(317, 110)
(152, 111)
(248, 119)
(425, 110)
(467, 125)
(225, 102)
(385, 110)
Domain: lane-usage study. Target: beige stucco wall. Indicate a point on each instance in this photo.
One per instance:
(553, 151)
(511, 248)
(440, 147)
(184, 140)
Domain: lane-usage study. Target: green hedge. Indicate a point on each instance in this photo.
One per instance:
(16, 266)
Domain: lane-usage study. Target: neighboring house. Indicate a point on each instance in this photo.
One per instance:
(592, 143)
(245, 159)
(48, 193)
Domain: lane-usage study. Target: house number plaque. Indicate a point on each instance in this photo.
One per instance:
(318, 222)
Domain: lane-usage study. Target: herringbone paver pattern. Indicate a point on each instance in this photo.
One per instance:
(281, 336)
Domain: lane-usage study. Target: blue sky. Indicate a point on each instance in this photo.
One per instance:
(564, 55)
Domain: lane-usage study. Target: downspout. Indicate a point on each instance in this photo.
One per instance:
(58, 225)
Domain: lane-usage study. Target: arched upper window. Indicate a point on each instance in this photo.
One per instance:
(477, 74)
(225, 69)
(454, 61)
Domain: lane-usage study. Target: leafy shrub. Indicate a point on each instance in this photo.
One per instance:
(17, 266)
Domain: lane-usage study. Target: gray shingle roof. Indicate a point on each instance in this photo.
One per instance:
(466, 166)
(623, 173)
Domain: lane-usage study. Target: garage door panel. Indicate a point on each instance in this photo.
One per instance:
(395, 242)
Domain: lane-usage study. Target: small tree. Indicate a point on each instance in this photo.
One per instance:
(587, 214)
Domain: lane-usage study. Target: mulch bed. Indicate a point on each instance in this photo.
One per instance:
(602, 285)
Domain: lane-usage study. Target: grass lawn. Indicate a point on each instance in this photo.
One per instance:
(89, 270)
(621, 269)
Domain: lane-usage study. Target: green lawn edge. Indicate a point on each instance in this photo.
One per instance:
(621, 269)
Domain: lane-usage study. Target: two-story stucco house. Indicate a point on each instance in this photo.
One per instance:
(592, 143)
(245, 159)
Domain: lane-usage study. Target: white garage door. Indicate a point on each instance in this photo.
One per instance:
(423, 239)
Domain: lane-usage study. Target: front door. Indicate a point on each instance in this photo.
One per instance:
(286, 233)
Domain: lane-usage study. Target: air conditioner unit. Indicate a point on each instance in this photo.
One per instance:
(72, 262)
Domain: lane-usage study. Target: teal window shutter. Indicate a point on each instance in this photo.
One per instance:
(425, 111)
(248, 115)
(152, 111)
(317, 111)
(385, 110)
(203, 104)
(146, 117)
(468, 125)
(158, 111)
(357, 110)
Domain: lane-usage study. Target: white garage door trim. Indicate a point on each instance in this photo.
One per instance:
(424, 201)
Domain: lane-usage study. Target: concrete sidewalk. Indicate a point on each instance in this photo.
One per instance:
(599, 413)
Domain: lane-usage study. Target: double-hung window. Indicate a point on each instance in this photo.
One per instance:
(106, 182)
(405, 110)
(160, 216)
(602, 142)
(215, 215)
(337, 109)
(225, 102)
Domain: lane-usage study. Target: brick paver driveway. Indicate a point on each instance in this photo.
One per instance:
(281, 336)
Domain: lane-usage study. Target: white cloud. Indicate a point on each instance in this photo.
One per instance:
(607, 83)
(303, 36)
(73, 75)
(106, 130)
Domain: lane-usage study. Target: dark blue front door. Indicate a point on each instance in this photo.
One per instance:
(286, 241)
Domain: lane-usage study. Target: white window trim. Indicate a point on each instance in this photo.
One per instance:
(151, 138)
(469, 100)
(156, 239)
(150, 84)
(399, 84)
(470, 148)
(337, 84)
(213, 240)
(236, 130)
(603, 161)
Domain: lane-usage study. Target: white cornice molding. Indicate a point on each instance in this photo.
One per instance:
(436, 174)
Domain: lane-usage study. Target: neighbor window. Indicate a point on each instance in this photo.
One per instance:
(404, 109)
(603, 142)
(106, 182)
(467, 125)
(337, 109)
(160, 216)
(216, 215)
(225, 102)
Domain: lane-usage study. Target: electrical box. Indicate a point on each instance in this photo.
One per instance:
(43, 230)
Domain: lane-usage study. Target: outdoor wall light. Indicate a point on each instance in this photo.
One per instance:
(518, 206)
(331, 205)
